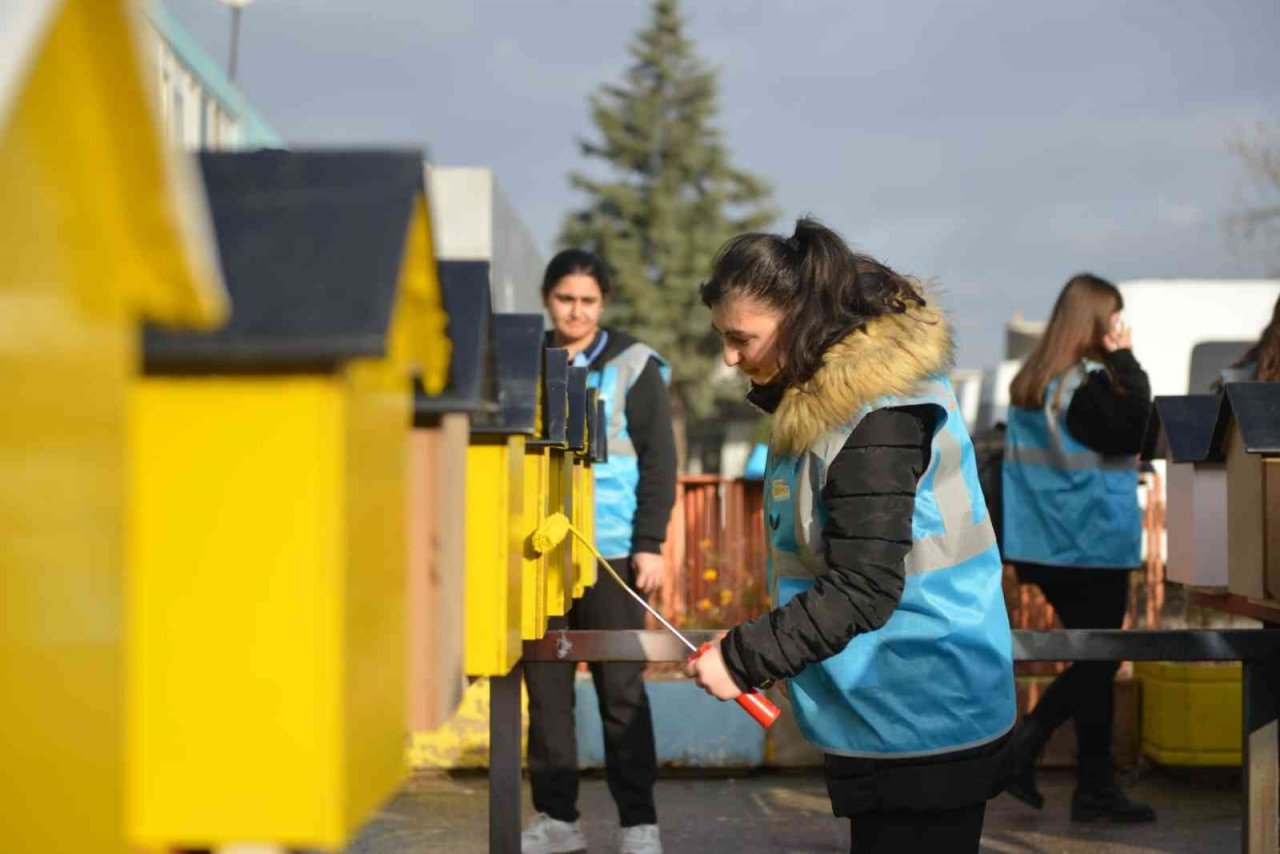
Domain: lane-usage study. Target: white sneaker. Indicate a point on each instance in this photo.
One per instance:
(640, 839)
(547, 835)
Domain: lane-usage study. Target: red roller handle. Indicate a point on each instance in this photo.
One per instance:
(758, 706)
(752, 702)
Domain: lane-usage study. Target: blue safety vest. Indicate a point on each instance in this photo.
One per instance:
(617, 479)
(1065, 504)
(938, 675)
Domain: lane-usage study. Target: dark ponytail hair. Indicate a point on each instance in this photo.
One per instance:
(571, 262)
(1265, 355)
(824, 289)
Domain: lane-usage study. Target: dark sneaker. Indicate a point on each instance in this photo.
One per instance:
(1109, 803)
(1023, 787)
(1024, 752)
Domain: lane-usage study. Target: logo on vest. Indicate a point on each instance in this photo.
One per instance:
(781, 490)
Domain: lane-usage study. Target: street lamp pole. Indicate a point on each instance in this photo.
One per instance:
(236, 6)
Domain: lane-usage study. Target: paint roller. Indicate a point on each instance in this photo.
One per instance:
(553, 531)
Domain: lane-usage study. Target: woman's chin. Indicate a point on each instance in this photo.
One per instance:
(761, 377)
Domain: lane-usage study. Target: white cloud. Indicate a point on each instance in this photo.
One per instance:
(1180, 213)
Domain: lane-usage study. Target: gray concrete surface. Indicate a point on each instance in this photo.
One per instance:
(1199, 811)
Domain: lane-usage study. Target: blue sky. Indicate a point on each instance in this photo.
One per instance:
(993, 146)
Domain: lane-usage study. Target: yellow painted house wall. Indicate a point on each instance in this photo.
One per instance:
(419, 327)
(267, 594)
(494, 560)
(584, 562)
(94, 236)
(266, 606)
(559, 585)
(537, 463)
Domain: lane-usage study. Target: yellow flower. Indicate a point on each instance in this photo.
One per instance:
(726, 596)
(704, 604)
(709, 574)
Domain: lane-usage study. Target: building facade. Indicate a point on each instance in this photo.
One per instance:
(200, 107)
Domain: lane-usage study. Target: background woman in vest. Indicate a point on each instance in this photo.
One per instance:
(1262, 362)
(1078, 413)
(634, 492)
(889, 624)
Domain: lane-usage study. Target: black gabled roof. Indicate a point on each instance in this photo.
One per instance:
(1256, 408)
(576, 433)
(471, 387)
(515, 357)
(518, 360)
(310, 244)
(1184, 427)
(555, 395)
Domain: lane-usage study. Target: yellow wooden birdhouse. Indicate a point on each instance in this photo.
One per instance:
(101, 227)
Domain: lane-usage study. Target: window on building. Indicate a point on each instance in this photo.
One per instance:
(179, 126)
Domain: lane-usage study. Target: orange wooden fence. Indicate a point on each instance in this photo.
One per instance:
(715, 555)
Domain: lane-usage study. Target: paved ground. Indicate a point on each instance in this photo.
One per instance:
(1199, 812)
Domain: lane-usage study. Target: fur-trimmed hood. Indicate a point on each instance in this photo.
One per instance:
(888, 356)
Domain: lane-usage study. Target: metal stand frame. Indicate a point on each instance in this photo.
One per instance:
(1258, 649)
(504, 762)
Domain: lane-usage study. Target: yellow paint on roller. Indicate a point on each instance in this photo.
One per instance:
(551, 532)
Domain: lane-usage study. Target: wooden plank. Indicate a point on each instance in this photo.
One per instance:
(1263, 611)
(1244, 520)
(1269, 477)
(421, 604)
(1259, 830)
(446, 567)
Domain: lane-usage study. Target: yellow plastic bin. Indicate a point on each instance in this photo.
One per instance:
(1191, 712)
(99, 229)
(267, 552)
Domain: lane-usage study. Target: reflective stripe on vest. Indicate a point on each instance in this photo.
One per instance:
(938, 675)
(617, 479)
(1064, 503)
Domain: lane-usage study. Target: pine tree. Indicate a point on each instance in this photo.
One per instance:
(1257, 214)
(671, 198)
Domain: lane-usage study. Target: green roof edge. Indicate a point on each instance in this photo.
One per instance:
(254, 130)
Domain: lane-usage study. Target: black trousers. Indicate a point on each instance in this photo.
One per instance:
(629, 754)
(954, 831)
(1084, 692)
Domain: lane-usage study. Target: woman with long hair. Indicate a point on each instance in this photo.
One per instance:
(888, 623)
(1078, 413)
(634, 493)
(1262, 361)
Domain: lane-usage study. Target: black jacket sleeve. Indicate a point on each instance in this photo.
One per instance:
(649, 423)
(1110, 420)
(870, 497)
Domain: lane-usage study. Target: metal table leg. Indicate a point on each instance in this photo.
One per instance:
(504, 763)
(1261, 757)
